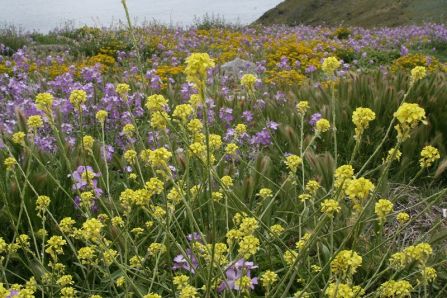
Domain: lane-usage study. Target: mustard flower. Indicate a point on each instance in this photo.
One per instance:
(152, 295)
(130, 156)
(159, 157)
(429, 155)
(342, 290)
(196, 67)
(276, 230)
(312, 186)
(65, 280)
(123, 90)
(91, 229)
(109, 256)
(117, 221)
(182, 112)
(195, 126)
(322, 125)
(249, 81)
(248, 246)
(402, 217)
(217, 196)
(231, 149)
(290, 257)
(77, 98)
(195, 100)
(265, 193)
(345, 264)
(393, 154)
(136, 262)
(315, 268)
(343, 175)
(304, 197)
(361, 118)
(330, 65)
(128, 130)
(395, 289)
(154, 186)
(180, 281)
(159, 120)
(54, 246)
(88, 142)
(358, 189)
(9, 163)
(302, 107)
(44, 101)
(330, 207)
(68, 292)
(248, 225)
(268, 278)
(86, 199)
(42, 204)
(101, 116)
(34, 121)
(156, 248)
(18, 138)
(240, 129)
(66, 225)
(382, 208)
(87, 255)
(303, 241)
(215, 141)
(156, 103)
(429, 274)
(227, 181)
(174, 196)
(188, 292)
(293, 162)
(409, 115)
(120, 281)
(418, 73)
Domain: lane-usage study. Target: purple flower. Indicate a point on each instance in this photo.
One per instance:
(314, 118)
(194, 236)
(272, 125)
(310, 69)
(226, 114)
(403, 50)
(84, 178)
(188, 263)
(236, 271)
(261, 138)
(247, 116)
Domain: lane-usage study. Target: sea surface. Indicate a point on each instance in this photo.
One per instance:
(45, 15)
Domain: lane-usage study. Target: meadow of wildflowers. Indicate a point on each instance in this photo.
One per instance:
(132, 166)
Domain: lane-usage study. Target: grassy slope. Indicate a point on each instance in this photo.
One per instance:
(356, 12)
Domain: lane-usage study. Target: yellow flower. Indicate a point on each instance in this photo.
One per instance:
(9, 163)
(395, 289)
(243, 283)
(231, 149)
(330, 207)
(67, 292)
(152, 295)
(290, 257)
(91, 229)
(42, 204)
(159, 157)
(249, 81)
(393, 154)
(382, 208)
(182, 112)
(240, 129)
(44, 101)
(159, 120)
(265, 193)
(65, 280)
(122, 89)
(136, 262)
(196, 67)
(195, 126)
(180, 281)
(54, 246)
(341, 290)
(156, 248)
(156, 103)
(409, 115)
(428, 274)
(77, 98)
(188, 292)
(312, 186)
(302, 107)
(101, 116)
(358, 189)
(429, 155)
(248, 246)
(277, 230)
(293, 162)
(217, 196)
(345, 264)
(88, 142)
(343, 175)
(227, 181)
(18, 138)
(248, 226)
(329, 65)
(402, 217)
(418, 73)
(361, 118)
(87, 255)
(303, 241)
(34, 121)
(128, 130)
(322, 125)
(130, 156)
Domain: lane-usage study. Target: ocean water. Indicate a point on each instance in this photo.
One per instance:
(44, 15)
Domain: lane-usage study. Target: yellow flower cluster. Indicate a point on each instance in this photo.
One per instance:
(418, 73)
(101, 116)
(196, 67)
(182, 112)
(409, 115)
(322, 125)
(44, 101)
(342, 290)
(395, 289)
(293, 162)
(249, 81)
(302, 107)
(361, 118)
(330, 207)
(156, 103)
(77, 98)
(34, 121)
(123, 90)
(358, 189)
(343, 176)
(268, 278)
(330, 65)
(415, 253)
(248, 246)
(382, 208)
(345, 264)
(429, 155)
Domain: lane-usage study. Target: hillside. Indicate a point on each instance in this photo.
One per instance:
(365, 13)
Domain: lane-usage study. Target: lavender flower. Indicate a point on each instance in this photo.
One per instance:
(235, 272)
